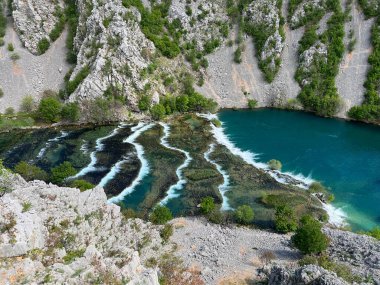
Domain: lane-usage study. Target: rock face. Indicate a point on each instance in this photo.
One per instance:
(64, 236)
(35, 19)
(110, 43)
(305, 275)
(306, 8)
(360, 252)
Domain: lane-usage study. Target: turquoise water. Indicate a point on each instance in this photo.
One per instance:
(345, 156)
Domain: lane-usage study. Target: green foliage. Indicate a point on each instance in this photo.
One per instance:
(10, 47)
(161, 215)
(43, 46)
(30, 172)
(368, 8)
(1, 93)
(252, 103)
(370, 109)
(10, 111)
(275, 164)
(26, 206)
(3, 22)
(82, 185)
(49, 109)
(207, 205)
(71, 15)
(78, 79)
(237, 55)
(144, 103)
(61, 172)
(309, 237)
(59, 26)
(216, 123)
(320, 94)
(15, 56)
(158, 112)
(27, 104)
(210, 46)
(166, 232)
(72, 255)
(70, 112)
(375, 232)
(285, 219)
(244, 215)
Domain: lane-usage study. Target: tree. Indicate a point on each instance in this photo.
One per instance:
(244, 215)
(43, 46)
(182, 103)
(61, 172)
(275, 164)
(309, 237)
(144, 103)
(70, 112)
(161, 215)
(207, 205)
(27, 104)
(49, 109)
(158, 112)
(30, 172)
(82, 185)
(285, 219)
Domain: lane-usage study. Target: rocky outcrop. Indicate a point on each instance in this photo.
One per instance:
(112, 46)
(63, 236)
(304, 10)
(35, 19)
(305, 275)
(308, 58)
(359, 252)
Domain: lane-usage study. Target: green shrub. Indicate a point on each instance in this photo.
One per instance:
(30, 172)
(317, 187)
(49, 109)
(285, 219)
(1, 93)
(216, 123)
(158, 112)
(10, 111)
(15, 56)
(82, 185)
(207, 205)
(216, 217)
(78, 79)
(43, 46)
(72, 255)
(237, 55)
(2, 42)
(161, 215)
(61, 172)
(144, 103)
(244, 215)
(275, 164)
(309, 237)
(10, 47)
(27, 104)
(70, 112)
(166, 232)
(26, 206)
(252, 104)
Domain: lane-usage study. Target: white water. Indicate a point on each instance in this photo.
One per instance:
(223, 188)
(112, 173)
(144, 169)
(336, 216)
(173, 190)
(49, 143)
(98, 147)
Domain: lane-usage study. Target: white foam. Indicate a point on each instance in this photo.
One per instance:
(49, 143)
(336, 216)
(223, 188)
(98, 147)
(112, 173)
(173, 190)
(144, 169)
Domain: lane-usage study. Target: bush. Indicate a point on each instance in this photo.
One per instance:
(216, 217)
(72, 85)
(70, 112)
(43, 45)
(10, 47)
(82, 185)
(158, 112)
(15, 56)
(244, 215)
(207, 205)
(309, 238)
(252, 104)
(144, 103)
(9, 111)
(49, 109)
(161, 215)
(30, 172)
(285, 219)
(275, 164)
(317, 187)
(61, 172)
(72, 255)
(1, 93)
(27, 104)
(166, 232)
